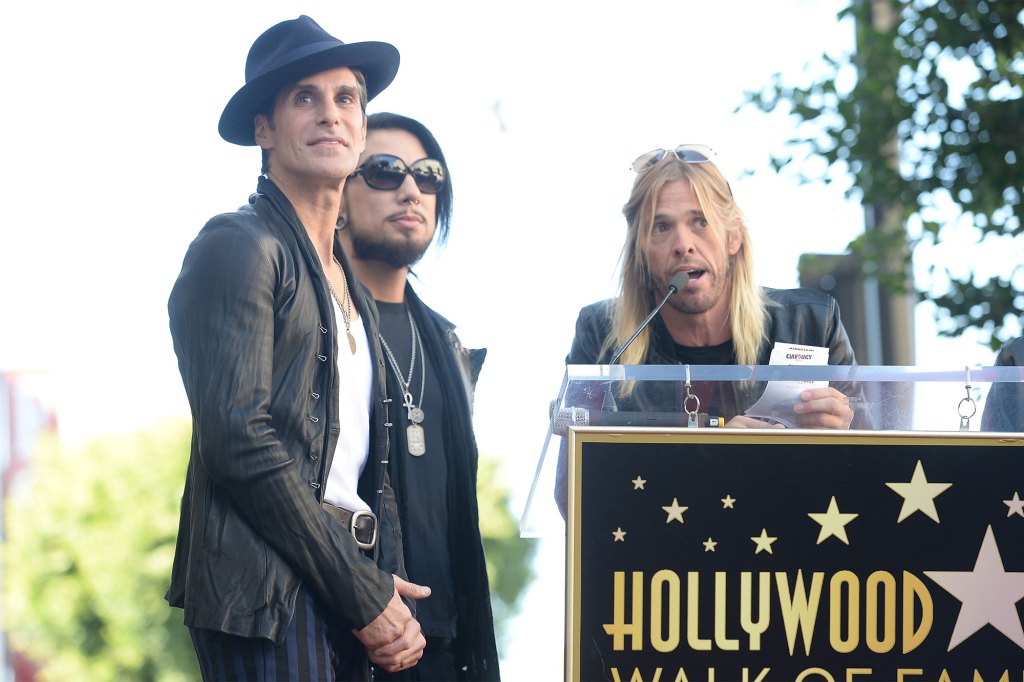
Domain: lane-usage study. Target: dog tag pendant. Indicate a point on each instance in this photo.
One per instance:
(414, 433)
(417, 441)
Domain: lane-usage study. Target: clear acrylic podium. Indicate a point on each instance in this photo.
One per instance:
(884, 398)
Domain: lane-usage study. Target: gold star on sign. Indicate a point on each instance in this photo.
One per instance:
(638, 483)
(727, 502)
(709, 545)
(1016, 506)
(675, 512)
(763, 542)
(620, 535)
(833, 522)
(919, 494)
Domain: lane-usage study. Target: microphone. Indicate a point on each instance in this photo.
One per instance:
(677, 282)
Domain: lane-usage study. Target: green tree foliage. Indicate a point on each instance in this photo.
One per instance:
(90, 536)
(87, 557)
(926, 119)
(509, 557)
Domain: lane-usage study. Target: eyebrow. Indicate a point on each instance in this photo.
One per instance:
(348, 90)
(688, 214)
(311, 88)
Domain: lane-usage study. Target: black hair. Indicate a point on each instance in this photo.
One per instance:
(443, 206)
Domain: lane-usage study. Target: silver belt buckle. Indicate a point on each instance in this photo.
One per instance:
(354, 528)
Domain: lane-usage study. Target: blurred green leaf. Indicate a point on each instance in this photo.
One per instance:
(90, 540)
(90, 536)
(509, 557)
(959, 147)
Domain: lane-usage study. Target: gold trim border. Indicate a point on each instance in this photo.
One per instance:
(577, 437)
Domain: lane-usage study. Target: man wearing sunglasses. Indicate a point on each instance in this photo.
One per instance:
(288, 555)
(398, 200)
(682, 218)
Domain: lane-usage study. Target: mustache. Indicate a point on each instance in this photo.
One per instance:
(405, 212)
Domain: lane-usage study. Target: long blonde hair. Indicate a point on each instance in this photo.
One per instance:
(747, 306)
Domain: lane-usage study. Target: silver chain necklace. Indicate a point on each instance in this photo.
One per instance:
(414, 433)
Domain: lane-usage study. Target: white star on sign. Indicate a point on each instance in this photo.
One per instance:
(638, 483)
(620, 535)
(1016, 506)
(833, 522)
(988, 594)
(919, 494)
(675, 512)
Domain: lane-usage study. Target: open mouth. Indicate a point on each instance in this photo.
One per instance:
(695, 274)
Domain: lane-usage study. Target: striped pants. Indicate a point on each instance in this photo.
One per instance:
(312, 650)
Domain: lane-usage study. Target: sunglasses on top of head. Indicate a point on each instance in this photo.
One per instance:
(691, 153)
(387, 172)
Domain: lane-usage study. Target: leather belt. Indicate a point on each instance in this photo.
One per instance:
(362, 524)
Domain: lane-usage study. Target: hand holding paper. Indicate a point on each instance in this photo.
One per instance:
(823, 408)
(802, 404)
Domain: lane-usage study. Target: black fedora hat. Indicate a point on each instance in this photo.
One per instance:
(292, 50)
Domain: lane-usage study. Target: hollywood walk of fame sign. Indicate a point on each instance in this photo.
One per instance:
(799, 555)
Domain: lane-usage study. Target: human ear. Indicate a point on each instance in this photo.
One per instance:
(262, 127)
(734, 241)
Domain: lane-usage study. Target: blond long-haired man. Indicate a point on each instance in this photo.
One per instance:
(682, 217)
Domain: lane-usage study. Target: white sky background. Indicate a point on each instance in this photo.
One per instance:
(112, 163)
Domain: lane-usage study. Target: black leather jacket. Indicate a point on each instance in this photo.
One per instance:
(799, 316)
(254, 331)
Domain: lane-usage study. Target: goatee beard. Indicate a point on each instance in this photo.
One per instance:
(698, 306)
(396, 254)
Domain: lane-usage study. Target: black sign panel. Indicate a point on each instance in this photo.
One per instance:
(699, 555)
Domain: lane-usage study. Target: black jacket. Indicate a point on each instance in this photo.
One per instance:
(1003, 406)
(798, 316)
(254, 331)
(474, 649)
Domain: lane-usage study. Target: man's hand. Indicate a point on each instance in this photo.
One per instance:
(393, 640)
(823, 408)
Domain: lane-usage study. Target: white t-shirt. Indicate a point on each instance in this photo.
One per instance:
(355, 383)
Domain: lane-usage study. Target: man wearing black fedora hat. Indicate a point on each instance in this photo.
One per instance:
(289, 555)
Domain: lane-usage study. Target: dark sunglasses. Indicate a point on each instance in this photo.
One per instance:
(691, 153)
(387, 172)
